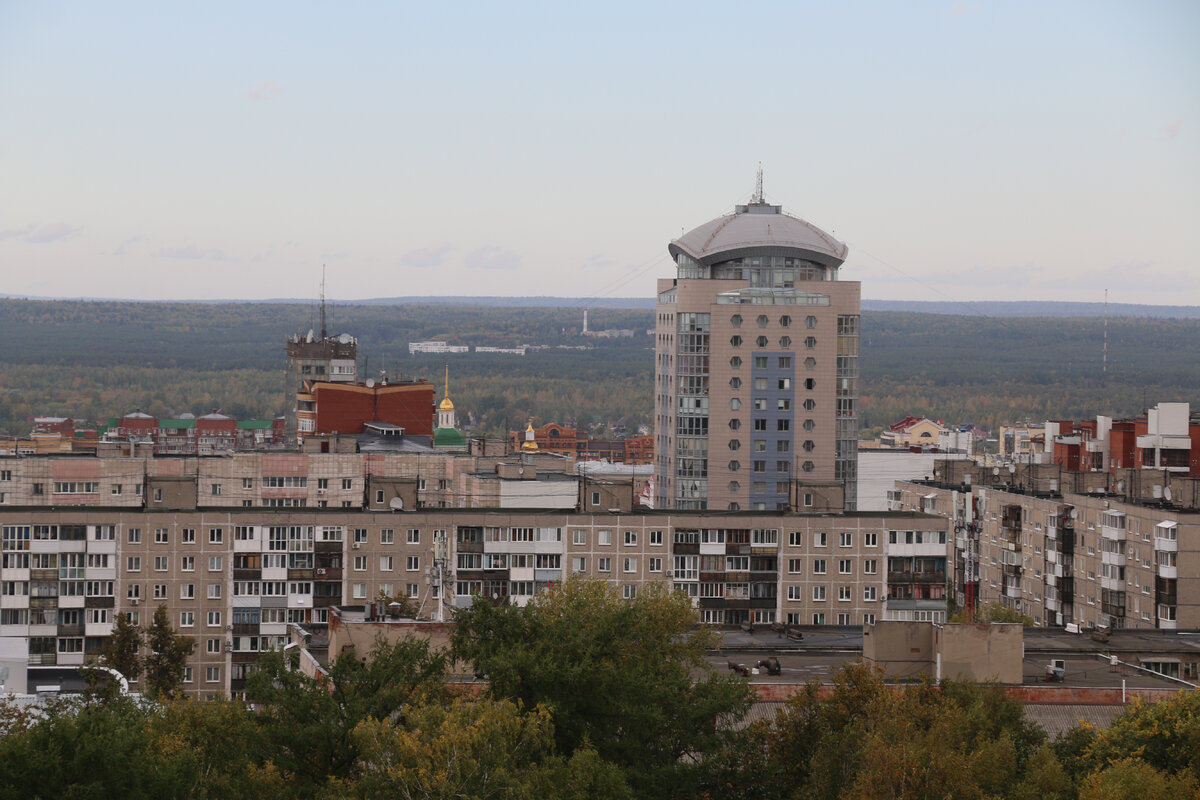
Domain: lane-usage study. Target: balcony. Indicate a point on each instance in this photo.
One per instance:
(1012, 591)
(916, 577)
(1169, 571)
(43, 659)
(1051, 603)
(1112, 534)
(1114, 559)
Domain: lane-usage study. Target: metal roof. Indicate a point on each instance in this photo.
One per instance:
(759, 229)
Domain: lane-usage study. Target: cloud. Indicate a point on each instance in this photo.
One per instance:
(432, 256)
(16, 233)
(132, 240)
(492, 257)
(52, 232)
(191, 252)
(1172, 128)
(267, 90)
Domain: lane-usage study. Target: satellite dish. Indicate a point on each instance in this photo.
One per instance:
(396, 504)
(1167, 493)
(370, 383)
(1120, 486)
(1074, 513)
(1012, 469)
(995, 470)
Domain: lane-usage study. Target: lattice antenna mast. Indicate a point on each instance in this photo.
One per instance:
(324, 332)
(758, 189)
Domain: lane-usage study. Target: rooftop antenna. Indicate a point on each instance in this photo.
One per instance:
(324, 332)
(758, 190)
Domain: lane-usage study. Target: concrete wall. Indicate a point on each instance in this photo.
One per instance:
(981, 652)
(900, 649)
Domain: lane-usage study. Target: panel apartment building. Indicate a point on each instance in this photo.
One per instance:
(238, 548)
(1117, 548)
(756, 367)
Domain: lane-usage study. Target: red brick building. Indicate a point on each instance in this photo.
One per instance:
(324, 407)
(555, 438)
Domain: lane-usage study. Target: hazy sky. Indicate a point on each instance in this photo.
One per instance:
(963, 150)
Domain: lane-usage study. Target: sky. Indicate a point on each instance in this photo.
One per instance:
(964, 150)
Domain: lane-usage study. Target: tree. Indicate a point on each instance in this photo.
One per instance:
(1165, 735)
(625, 677)
(994, 612)
(167, 656)
(122, 651)
(478, 748)
(307, 723)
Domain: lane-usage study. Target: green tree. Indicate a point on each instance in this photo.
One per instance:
(307, 723)
(167, 655)
(479, 748)
(1165, 735)
(625, 677)
(122, 650)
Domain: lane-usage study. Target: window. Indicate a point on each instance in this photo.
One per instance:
(214, 591)
(347, 483)
(187, 619)
(870, 566)
(735, 362)
(735, 404)
(160, 563)
(820, 539)
(214, 488)
(785, 384)
(809, 425)
(868, 619)
(413, 536)
(869, 593)
(212, 674)
(810, 342)
(845, 566)
(783, 424)
(736, 341)
(808, 466)
(630, 564)
(818, 593)
(795, 566)
(216, 535)
(160, 591)
(735, 383)
(630, 538)
(386, 564)
(871, 539)
(187, 563)
(412, 563)
(818, 566)
(187, 591)
(360, 535)
(579, 537)
(133, 564)
(134, 535)
(188, 535)
(761, 341)
(216, 563)
(845, 539)
(360, 563)
(629, 591)
(655, 565)
(604, 538)
(736, 320)
(810, 322)
(843, 594)
(359, 591)
(161, 536)
(656, 538)
(212, 645)
(604, 565)
(795, 593)
(247, 483)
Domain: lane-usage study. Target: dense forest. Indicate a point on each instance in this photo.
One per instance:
(93, 360)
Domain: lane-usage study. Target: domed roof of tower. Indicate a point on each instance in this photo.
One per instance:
(449, 437)
(446, 405)
(759, 229)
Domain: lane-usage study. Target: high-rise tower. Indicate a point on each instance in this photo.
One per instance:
(756, 362)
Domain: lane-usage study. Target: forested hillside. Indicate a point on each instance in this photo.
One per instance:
(97, 359)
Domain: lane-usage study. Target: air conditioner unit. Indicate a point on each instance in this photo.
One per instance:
(357, 545)
(322, 491)
(133, 601)
(321, 571)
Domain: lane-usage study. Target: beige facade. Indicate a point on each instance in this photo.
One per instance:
(236, 578)
(955, 651)
(756, 363)
(1063, 557)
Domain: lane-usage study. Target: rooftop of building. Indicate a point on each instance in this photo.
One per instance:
(759, 228)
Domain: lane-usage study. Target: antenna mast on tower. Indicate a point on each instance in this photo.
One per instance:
(1106, 331)
(324, 332)
(758, 190)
